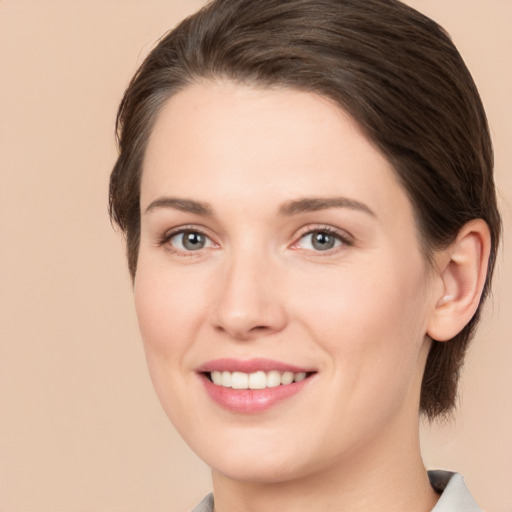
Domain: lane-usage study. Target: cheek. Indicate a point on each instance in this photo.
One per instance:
(167, 311)
(371, 324)
(168, 306)
(356, 300)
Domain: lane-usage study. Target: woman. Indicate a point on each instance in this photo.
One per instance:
(307, 196)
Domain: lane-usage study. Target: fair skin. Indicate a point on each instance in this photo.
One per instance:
(271, 228)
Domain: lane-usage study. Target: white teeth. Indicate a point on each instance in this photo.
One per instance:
(239, 380)
(299, 376)
(286, 378)
(226, 379)
(256, 380)
(273, 379)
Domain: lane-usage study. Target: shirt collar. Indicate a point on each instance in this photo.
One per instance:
(455, 496)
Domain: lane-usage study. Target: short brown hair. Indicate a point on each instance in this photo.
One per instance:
(393, 69)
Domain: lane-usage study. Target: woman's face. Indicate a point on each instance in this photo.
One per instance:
(276, 246)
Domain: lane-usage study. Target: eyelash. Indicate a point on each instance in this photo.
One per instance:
(345, 239)
(168, 236)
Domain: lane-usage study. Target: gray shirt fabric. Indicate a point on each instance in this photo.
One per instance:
(454, 495)
(206, 505)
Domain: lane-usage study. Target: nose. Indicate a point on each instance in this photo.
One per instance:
(250, 302)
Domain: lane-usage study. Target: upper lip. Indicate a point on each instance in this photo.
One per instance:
(250, 366)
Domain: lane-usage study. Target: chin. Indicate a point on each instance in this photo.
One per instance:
(254, 462)
(264, 471)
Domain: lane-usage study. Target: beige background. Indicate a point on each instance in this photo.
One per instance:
(80, 427)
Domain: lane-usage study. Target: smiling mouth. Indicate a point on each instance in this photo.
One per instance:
(255, 385)
(255, 380)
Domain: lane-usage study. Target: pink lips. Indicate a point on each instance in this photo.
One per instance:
(250, 400)
(250, 366)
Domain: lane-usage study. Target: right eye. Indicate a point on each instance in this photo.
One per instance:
(189, 240)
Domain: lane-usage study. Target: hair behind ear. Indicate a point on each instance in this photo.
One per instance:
(462, 272)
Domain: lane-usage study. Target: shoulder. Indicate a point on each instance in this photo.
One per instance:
(455, 496)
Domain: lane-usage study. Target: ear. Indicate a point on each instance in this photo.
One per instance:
(462, 270)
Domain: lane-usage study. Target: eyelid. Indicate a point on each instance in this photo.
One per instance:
(164, 239)
(343, 236)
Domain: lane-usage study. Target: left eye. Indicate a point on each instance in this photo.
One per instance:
(319, 240)
(190, 241)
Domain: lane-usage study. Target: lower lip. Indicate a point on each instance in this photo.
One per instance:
(250, 401)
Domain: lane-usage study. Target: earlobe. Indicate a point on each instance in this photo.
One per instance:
(462, 273)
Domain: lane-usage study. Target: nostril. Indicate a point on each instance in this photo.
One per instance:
(259, 328)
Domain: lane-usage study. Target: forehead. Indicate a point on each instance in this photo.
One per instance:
(220, 140)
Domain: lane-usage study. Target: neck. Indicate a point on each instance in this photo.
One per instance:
(387, 474)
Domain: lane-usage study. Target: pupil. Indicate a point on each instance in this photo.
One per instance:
(193, 241)
(323, 241)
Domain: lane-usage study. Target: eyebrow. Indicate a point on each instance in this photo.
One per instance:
(304, 205)
(184, 205)
(313, 204)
